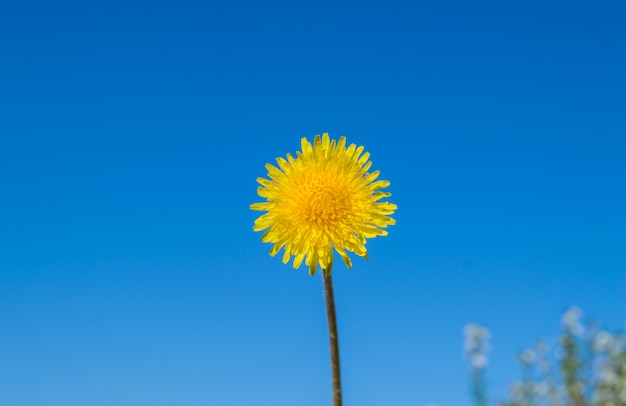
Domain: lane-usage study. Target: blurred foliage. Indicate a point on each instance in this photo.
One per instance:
(584, 366)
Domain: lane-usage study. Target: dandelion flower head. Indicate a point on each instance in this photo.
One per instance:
(323, 199)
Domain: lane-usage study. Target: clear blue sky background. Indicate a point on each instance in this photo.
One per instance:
(131, 135)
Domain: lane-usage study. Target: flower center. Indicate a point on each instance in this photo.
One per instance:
(324, 204)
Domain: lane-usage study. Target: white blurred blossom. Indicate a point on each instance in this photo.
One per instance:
(571, 320)
(528, 357)
(607, 375)
(476, 344)
(602, 341)
(616, 346)
(478, 360)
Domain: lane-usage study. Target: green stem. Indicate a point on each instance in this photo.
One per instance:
(332, 334)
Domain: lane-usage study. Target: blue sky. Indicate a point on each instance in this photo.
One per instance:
(131, 135)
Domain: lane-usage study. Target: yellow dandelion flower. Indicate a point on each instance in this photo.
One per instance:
(324, 198)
